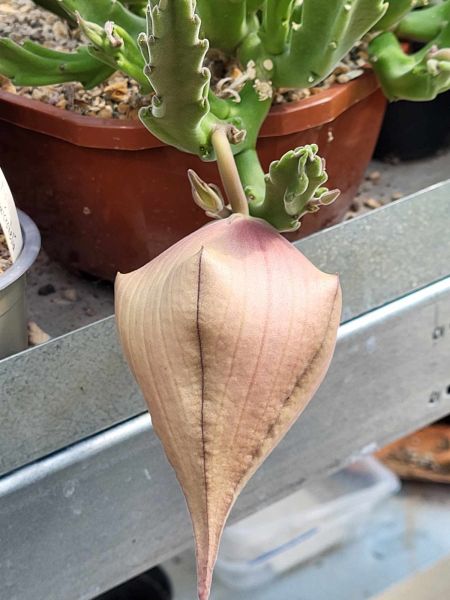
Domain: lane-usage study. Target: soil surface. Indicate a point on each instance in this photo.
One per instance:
(5, 259)
(119, 97)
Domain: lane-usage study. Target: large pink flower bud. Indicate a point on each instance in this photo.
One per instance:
(229, 334)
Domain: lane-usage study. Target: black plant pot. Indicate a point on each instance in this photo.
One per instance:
(151, 585)
(414, 130)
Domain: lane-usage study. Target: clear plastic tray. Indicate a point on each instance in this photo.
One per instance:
(320, 515)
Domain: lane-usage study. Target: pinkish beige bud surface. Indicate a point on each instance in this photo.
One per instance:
(229, 333)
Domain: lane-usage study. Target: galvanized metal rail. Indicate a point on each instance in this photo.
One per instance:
(87, 498)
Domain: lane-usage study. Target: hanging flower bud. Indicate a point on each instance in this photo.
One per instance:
(229, 334)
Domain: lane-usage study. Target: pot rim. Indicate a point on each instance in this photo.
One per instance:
(30, 250)
(92, 132)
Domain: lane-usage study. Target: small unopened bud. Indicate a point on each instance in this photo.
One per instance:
(206, 196)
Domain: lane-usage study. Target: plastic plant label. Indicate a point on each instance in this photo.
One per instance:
(9, 219)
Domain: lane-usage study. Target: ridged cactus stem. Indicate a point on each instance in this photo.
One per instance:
(328, 30)
(228, 170)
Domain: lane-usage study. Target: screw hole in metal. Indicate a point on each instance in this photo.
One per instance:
(434, 397)
(438, 332)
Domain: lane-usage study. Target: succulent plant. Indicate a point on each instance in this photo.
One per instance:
(278, 43)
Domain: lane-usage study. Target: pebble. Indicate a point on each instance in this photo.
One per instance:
(374, 176)
(60, 30)
(36, 335)
(371, 203)
(5, 259)
(396, 196)
(47, 289)
(70, 294)
(105, 113)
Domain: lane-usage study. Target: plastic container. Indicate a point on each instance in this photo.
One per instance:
(321, 515)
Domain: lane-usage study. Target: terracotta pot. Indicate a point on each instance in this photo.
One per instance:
(109, 196)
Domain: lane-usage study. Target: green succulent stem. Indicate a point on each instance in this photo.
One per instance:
(225, 23)
(249, 114)
(101, 11)
(251, 174)
(418, 77)
(55, 7)
(327, 31)
(112, 45)
(219, 107)
(424, 25)
(139, 7)
(276, 25)
(32, 64)
(396, 11)
(228, 171)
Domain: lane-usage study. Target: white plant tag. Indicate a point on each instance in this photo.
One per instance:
(9, 219)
